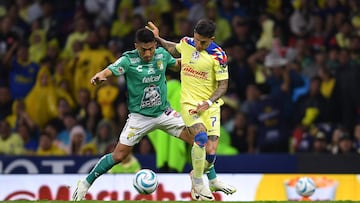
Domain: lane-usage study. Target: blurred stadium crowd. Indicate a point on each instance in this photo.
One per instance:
(294, 69)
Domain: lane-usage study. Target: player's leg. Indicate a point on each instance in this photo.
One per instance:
(197, 137)
(172, 124)
(135, 128)
(211, 157)
(214, 182)
(199, 190)
(104, 164)
(212, 123)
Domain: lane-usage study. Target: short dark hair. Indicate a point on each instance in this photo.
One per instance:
(144, 35)
(205, 27)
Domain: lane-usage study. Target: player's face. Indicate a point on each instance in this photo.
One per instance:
(201, 42)
(146, 50)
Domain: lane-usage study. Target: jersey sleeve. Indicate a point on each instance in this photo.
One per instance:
(171, 61)
(180, 44)
(220, 66)
(119, 67)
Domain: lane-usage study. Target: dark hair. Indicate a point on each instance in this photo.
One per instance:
(205, 27)
(144, 35)
(45, 134)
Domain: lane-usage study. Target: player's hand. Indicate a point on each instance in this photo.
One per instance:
(153, 28)
(98, 78)
(202, 106)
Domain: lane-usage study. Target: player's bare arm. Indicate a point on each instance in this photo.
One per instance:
(168, 45)
(177, 66)
(219, 92)
(100, 76)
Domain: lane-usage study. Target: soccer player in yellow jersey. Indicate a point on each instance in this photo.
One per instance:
(204, 79)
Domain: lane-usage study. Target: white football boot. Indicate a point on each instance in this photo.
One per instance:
(217, 185)
(199, 192)
(81, 190)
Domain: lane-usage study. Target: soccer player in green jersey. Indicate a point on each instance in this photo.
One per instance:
(204, 79)
(144, 69)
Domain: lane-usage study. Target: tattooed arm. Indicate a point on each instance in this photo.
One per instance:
(219, 92)
(169, 46)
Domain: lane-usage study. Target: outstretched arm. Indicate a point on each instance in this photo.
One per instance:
(101, 76)
(168, 45)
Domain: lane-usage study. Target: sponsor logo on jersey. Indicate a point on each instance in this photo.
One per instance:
(158, 56)
(222, 71)
(152, 78)
(192, 111)
(189, 71)
(151, 70)
(151, 97)
(134, 60)
(139, 68)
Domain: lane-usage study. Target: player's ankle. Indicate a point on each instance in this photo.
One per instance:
(86, 183)
(214, 180)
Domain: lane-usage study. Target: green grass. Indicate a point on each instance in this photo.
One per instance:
(94, 201)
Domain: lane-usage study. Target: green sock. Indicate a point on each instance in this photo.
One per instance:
(198, 159)
(211, 173)
(105, 163)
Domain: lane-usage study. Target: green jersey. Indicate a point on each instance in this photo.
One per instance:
(146, 82)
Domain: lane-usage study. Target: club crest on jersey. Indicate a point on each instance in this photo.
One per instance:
(195, 55)
(160, 65)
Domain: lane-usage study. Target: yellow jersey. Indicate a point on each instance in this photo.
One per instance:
(13, 145)
(200, 71)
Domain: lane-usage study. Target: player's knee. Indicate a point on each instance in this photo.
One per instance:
(211, 158)
(201, 139)
(118, 156)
